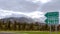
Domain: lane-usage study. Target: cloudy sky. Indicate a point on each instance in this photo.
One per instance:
(31, 8)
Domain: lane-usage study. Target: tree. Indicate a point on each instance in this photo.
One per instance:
(14, 25)
(0, 25)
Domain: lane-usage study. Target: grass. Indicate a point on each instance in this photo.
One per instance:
(29, 32)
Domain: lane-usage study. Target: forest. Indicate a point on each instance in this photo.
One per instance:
(18, 26)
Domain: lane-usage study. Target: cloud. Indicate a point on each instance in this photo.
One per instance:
(18, 5)
(27, 8)
(36, 14)
(39, 1)
(54, 5)
(7, 13)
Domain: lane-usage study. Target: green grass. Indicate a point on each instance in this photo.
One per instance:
(31, 32)
(39, 32)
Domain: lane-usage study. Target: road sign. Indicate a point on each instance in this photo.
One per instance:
(52, 21)
(52, 14)
(52, 18)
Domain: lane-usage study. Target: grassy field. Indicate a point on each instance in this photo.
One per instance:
(28, 32)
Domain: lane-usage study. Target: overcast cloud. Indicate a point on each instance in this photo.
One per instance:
(29, 6)
(18, 5)
(33, 8)
(54, 5)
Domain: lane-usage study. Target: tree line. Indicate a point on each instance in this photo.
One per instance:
(19, 26)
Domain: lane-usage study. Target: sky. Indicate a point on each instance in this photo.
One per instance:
(35, 9)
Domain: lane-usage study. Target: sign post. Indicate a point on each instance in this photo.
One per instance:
(52, 19)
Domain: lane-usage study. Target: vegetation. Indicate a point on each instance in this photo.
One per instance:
(29, 32)
(18, 26)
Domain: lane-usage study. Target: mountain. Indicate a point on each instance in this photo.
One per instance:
(19, 19)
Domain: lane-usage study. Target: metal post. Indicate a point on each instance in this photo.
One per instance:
(50, 29)
(50, 26)
(56, 29)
